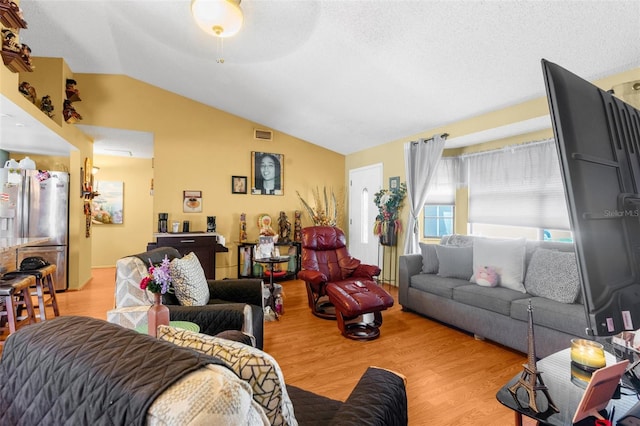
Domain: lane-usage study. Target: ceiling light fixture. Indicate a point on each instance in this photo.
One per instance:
(221, 18)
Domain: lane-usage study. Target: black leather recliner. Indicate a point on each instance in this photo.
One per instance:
(230, 302)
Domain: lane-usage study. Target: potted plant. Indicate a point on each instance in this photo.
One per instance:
(387, 224)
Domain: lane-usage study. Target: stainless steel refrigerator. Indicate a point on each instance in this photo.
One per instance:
(35, 203)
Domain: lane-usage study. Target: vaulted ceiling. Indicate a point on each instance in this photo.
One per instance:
(344, 74)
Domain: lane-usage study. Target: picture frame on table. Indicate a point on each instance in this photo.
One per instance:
(267, 171)
(238, 184)
(394, 183)
(192, 201)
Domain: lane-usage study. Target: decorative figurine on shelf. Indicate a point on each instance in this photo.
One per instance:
(73, 94)
(46, 106)
(69, 113)
(243, 227)
(264, 222)
(25, 54)
(28, 91)
(297, 226)
(284, 227)
(10, 41)
(531, 379)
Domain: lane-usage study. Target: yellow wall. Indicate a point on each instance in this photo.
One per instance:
(196, 147)
(109, 241)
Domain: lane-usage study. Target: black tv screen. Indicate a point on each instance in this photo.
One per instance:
(598, 141)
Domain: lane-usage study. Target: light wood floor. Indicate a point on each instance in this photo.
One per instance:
(452, 378)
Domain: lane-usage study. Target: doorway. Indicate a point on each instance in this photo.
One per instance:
(364, 182)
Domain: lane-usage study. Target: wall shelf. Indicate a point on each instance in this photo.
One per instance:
(9, 16)
(14, 62)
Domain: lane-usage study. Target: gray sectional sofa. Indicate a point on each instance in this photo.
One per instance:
(441, 284)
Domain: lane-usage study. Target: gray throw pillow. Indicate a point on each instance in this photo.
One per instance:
(553, 274)
(189, 281)
(455, 262)
(429, 258)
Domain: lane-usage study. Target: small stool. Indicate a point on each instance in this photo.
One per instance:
(354, 298)
(44, 286)
(15, 292)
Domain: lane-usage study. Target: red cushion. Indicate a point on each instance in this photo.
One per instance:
(357, 297)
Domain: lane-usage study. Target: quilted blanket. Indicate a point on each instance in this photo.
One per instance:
(78, 370)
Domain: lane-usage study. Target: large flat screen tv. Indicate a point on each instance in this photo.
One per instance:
(598, 141)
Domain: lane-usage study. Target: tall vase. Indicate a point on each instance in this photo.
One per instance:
(389, 236)
(158, 314)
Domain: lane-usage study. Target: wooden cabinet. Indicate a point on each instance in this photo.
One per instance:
(247, 268)
(204, 245)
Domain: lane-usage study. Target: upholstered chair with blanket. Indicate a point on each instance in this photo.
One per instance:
(325, 259)
(214, 305)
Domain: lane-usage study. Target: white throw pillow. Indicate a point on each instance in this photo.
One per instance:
(258, 368)
(507, 257)
(189, 282)
(211, 395)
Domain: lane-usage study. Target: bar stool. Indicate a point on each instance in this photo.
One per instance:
(44, 286)
(15, 292)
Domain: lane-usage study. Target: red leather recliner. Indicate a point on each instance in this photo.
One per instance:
(325, 259)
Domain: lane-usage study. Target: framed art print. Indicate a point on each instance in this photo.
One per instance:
(107, 206)
(267, 173)
(394, 183)
(192, 201)
(238, 184)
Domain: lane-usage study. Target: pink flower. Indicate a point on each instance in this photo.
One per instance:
(144, 283)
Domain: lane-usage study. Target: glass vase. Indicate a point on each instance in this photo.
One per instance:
(158, 314)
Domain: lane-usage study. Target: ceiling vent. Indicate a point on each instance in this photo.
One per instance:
(263, 135)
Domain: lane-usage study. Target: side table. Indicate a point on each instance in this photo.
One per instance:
(556, 373)
(184, 325)
(272, 262)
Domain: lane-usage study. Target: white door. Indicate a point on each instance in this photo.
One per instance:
(364, 182)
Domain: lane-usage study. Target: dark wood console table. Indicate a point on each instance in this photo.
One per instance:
(204, 244)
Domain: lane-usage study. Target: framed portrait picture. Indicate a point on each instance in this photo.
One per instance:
(238, 184)
(394, 183)
(192, 201)
(267, 173)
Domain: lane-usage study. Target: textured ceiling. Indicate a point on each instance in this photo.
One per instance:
(346, 75)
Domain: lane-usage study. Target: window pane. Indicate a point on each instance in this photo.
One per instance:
(431, 210)
(438, 220)
(430, 227)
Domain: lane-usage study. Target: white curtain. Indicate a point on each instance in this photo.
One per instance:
(420, 160)
(518, 186)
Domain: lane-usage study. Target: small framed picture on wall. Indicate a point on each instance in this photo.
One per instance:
(238, 184)
(394, 183)
(268, 172)
(192, 201)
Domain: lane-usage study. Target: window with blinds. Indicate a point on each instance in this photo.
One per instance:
(518, 186)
